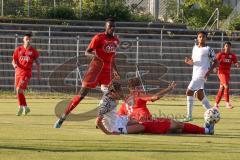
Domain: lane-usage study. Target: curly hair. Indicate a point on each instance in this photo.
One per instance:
(133, 82)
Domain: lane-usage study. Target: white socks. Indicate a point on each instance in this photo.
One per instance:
(205, 103)
(190, 101)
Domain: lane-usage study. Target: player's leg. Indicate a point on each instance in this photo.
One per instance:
(219, 95)
(190, 101)
(135, 128)
(90, 80)
(202, 97)
(157, 126)
(188, 128)
(71, 105)
(226, 90)
(21, 83)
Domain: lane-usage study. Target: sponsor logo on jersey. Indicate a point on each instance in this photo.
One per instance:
(110, 47)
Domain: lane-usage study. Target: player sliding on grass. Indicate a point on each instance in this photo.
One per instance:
(111, 123)
(135, 105)
(23, 58)
(102, 50)
(225, 58)
(202, 57)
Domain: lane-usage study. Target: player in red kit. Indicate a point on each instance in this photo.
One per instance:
(102, 50)
(23, 58)
(135, 105)
(225, 58)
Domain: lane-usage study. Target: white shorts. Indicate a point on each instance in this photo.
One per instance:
(196, 84)
(121, 124)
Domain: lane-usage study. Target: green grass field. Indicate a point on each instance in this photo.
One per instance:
(33, 136)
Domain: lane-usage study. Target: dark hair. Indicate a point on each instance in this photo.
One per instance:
(109, 20)
(28, 35)
(133, 82)
(115, 86)
(202, 32)
(229, 43)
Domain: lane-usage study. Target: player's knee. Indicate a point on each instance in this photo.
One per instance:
(83, 92)
(189, 92)
(200, 95)
(19, 90)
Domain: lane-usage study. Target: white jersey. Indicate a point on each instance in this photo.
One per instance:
(111, 121)
(202, 57)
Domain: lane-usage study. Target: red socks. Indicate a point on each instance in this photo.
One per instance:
(226, 94)
(192, 129)
(74, 102)
(219, 95)
(21, 99)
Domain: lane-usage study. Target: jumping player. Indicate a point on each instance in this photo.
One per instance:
(225, 59)
(23, 58)
(203, 61)
(110, 123)
(135, 105)
(102, 50)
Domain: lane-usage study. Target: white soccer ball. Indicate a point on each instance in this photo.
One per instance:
(212, 115)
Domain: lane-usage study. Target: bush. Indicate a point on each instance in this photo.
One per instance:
(60, 12)
(235, 24)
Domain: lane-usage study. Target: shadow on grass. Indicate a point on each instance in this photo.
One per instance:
(93, 150)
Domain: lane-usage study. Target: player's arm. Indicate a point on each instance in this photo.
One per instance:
(14, 64)
(91, 50)
(162, 92)
(214, 65)
(38, 67)
(100, 125)
(15, 59)
(90, 53)
(188, 61)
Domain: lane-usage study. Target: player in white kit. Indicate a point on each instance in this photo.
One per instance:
(203, 61)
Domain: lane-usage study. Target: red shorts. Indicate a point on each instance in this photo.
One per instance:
(22, 82)
(158, 126)
(96, 74)
(224, 78)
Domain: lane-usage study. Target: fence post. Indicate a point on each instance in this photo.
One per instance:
(77, 69)
(137, 54)
(161, 44)
(2, 9)
(49, 40)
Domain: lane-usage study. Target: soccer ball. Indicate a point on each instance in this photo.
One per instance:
(212, 115)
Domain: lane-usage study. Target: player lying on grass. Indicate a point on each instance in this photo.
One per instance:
(135, 104)
(111, 123)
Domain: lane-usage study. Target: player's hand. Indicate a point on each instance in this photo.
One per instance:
(188, 61)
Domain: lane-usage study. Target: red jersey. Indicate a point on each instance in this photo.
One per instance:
(136, 108)
(225, 61)
(24, 59)
(105, 48)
